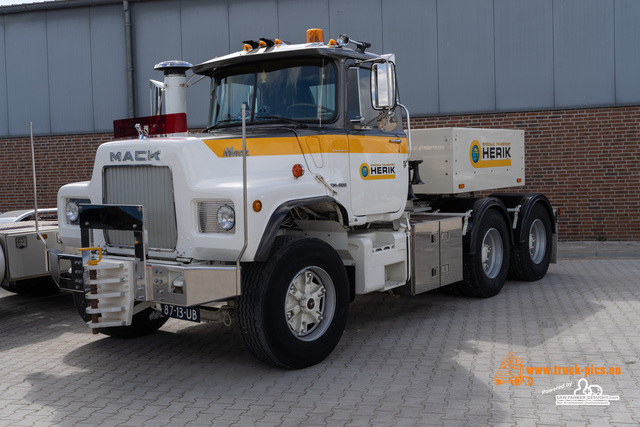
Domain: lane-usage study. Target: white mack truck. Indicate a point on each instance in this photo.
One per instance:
(303, 192)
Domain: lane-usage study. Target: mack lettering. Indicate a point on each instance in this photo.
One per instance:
(135, 156)
(230, 152)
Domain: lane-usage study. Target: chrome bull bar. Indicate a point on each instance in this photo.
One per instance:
(155, 281)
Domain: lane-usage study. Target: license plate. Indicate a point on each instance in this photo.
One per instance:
(183, 313)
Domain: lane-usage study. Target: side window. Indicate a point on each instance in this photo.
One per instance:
(360, 111)
(359, 108)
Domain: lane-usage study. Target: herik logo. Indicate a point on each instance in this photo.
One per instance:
(475, 153)
(378, 171)
(490, 154)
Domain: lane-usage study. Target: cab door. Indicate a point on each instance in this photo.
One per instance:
(378, 152)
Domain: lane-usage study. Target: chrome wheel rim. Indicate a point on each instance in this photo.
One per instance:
(492, 253)
(537, 241)
(310, 303)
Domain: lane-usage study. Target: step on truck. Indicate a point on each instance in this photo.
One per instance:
(304, 191)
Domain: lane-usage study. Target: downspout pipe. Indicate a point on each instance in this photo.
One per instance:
(131, 107)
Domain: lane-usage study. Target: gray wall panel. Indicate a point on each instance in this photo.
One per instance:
(584, 52)
(404, 29)
(627, 39)
(205, 35)
(466, 56)
(250, 20)
(4, 107)
(27, 73)
(69, 55)
(295, 17)
(360, 19)
(108, 66)
(157, 38)
(454, 56)
(524, 54)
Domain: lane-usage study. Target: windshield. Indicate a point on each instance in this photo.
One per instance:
(302, 91)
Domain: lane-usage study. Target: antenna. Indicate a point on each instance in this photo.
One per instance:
(35, 196)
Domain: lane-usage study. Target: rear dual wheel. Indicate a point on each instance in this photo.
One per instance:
(485, 271)
(530, 259)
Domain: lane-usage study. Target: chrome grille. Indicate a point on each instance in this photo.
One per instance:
(151, 187)
(208, 216)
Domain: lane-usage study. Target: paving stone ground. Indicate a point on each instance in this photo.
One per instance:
(407, 361)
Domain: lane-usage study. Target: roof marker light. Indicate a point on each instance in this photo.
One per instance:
(262, 43)
(247, 48)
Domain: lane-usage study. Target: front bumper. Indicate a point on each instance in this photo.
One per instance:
(148, 280)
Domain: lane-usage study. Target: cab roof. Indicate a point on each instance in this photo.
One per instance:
(278, 51)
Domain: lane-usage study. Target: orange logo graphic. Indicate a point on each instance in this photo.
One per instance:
(511, 371)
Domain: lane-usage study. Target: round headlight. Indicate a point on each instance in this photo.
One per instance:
(226, 217)
(72, 211)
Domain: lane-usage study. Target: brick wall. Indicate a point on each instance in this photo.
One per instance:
(59, 160)
(586, 161)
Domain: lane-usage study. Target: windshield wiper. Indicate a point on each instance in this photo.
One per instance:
(256, 120)
(284, 119)
(213, 126)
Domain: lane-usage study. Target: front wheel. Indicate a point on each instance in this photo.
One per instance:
(143, 323)
(294, 307)
(530, 259)
(485, 271)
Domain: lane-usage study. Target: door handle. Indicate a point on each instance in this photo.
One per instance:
(396, 141)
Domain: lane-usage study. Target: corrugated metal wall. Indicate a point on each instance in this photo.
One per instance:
(65, 69)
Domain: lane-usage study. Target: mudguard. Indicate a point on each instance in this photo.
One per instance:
(478, 206)
(271, 230)
(526, 203)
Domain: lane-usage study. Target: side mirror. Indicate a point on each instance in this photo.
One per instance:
(383, 85)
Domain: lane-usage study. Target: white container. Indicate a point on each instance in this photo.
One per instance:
(462, 160)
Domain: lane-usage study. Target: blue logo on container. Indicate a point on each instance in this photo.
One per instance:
(475, 153)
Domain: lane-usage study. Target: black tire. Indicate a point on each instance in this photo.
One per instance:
(35, 287)
(272, 311)
(143, 323)
(530, 259)
(485, 272)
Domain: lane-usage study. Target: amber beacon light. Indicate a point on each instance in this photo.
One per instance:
(315, 35)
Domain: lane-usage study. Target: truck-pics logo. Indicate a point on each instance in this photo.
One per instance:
(512, 371)
(490, 154)
(384, 171)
